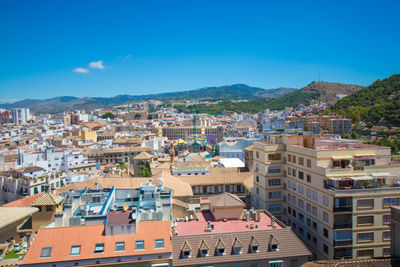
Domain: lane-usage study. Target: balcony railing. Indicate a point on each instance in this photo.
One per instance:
(341, 243)
(342, 225)
(343, 208)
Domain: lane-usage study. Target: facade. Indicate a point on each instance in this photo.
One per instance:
(20, 115)
(395, 231)
(227, 235)
(335, 193)
(187, 132)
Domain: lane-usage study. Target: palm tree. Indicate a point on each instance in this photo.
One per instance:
(121, 166)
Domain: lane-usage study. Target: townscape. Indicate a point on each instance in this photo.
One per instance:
(286, 155)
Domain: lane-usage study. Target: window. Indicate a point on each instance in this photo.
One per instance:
(119, 246)
(314, 240)
(314, 195)
(274, 156)
(273, 182)
(237, 251)
(99, 248)
(294, 159)
(387, 202)
(220, 252)
(254, 265)
(365, 253)
(49, 208)
(301, 175)
(274, 207)
(365, 220)
(257, 190)
(386, 252)
(325, 216)
(139, 244)
(308, 221)
(294, 172)
(289, 171)
(386, 235)
(46, 252)
(301, 161)
(278, 263)
(294, 186)
(386, 218)
(257, 179)
(301, 217)
(309, 178)
(326, 200)
(365, 203)
(289, 184)
(326, 249)
(75, 250)
(309, 163)
(159, 243)
(326, 233)
(301, 189)
(289, 158)
(274, 169)
(301, 203)
(294, 213)
(185, 254)
(254, 249)
(308, 192)
(365, 237)
(314, 225)
(289, 196)
(257, 154)
(314, 210)
(238, 265)
(204, 253)
(308, 207)
(275, 194)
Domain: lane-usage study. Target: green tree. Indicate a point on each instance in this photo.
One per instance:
(145, 171)
(121, 166)
(108, 115)
(137, 116)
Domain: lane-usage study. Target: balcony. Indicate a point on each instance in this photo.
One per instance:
(343, 204)
(343, 253)
(342, 225)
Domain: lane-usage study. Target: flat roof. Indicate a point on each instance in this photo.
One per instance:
(196, 227)
(10, 215)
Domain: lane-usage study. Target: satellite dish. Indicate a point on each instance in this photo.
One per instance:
(125, 207)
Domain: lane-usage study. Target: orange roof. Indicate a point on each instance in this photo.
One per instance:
(23, 202)
(87, 236)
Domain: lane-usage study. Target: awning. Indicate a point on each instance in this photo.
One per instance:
(379, 174)
(342, 157)
(362, 178)
(364, 154)
(165, 264)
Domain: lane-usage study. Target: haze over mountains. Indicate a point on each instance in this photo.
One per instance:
(324, 91)
(64, 103)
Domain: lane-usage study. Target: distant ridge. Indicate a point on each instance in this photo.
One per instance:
(66, 103)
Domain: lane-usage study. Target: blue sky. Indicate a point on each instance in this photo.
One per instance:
(141, 47)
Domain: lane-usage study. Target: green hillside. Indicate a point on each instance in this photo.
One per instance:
(379, 101)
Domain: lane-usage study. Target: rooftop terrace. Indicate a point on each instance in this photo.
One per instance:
(196, 227)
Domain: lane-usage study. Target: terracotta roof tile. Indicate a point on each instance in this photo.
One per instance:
(62, 238)
(23, 202)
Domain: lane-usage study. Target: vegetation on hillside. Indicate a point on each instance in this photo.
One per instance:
(380, 100)
(252, 106)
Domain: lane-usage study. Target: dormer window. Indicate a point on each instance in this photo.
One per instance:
(46, 252)
(274, 247)
(185, 254)
(254, 249)
(220, 251)
(237, 251)
(99, 248)
(204, 253)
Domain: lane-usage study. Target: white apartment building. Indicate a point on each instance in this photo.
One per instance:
(20, 115)
(52, 159)
(336, 194)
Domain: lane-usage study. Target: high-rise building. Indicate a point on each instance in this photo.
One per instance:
(20, 115)
(335, 193)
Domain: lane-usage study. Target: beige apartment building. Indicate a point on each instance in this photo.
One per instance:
(336, 194)
(187, 132)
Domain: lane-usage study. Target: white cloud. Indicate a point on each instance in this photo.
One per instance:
(97, 65)
(81, 70)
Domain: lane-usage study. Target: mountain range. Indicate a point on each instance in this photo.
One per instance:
(66, 103)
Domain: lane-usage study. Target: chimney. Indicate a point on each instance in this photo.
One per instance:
(273, 223)
(58, 219)
(96, 186)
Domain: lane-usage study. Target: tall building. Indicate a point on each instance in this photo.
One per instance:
(187, 132)
(335, 193)
(20, 115)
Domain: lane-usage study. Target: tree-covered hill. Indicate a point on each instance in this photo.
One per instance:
(380, 100)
